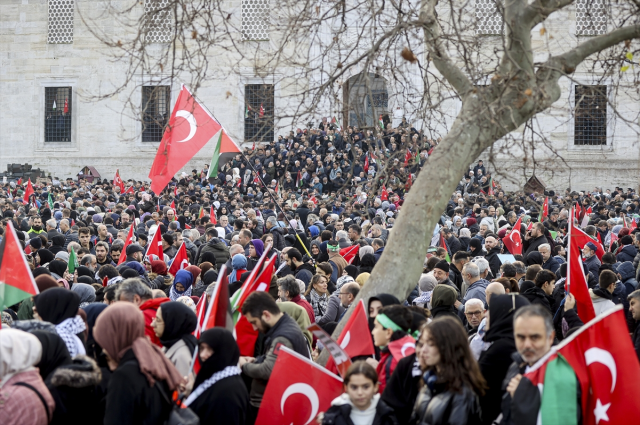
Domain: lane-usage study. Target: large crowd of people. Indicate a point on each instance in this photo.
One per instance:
(111, 336)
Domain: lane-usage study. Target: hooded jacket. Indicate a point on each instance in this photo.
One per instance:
(536, 295)
(602, 300)
(217, 247)
(628, 253)
(627, 276)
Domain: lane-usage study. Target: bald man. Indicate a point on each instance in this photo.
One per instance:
(494, 288)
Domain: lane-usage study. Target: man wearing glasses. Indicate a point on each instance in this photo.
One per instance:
(474, 312)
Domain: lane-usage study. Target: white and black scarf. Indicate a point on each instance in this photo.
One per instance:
(224, 373)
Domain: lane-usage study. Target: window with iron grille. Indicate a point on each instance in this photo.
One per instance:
(155, 112)
(590, 115)
(488, 18)
(258, 113)
(57, 114)
(255, 20)
(591, 17)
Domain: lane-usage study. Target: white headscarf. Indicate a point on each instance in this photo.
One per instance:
(19, 352)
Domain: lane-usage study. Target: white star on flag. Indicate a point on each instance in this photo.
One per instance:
(601, 411)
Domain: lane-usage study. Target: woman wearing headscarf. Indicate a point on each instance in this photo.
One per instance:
(44, 257)
(219, 396)
(442, 301)
(256, 248)
(238, 266)
(300, 315)
(174, 325)
(73, 383)
(93, 349)
(159, 276)
(43, 282)
(181, 285)
(57, 268)
(86, 292)
(59, 306)
(494, 362)
(143, 378)
(19, 404)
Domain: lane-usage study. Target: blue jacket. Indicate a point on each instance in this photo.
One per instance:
(378, 253)
(477, 290)
(628, 253)
(551, 264)
(627, 276)
(593, 265)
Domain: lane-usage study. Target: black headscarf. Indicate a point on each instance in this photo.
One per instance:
(179, 323)
(58, 267)
(225, 353)
(54, 353)
(93, 311)
(57, 304)
(85, 271)
(86, 279)
(40, 270)
(46, 256)
(501, 312)
(209, 277)
(534, 258)
(367, 263)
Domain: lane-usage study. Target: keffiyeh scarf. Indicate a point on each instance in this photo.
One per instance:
(319, 303)
(224, 373)
(67, 329)
(174, 295)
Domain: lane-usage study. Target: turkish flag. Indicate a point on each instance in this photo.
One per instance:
(513, 241)
(117, 181)
(201, 310)
(366, 164)
(190, 128)
(385, 195)
(123, 254)
(355, 338)
(314, 200)
(212, 215)
(249, 285)
(155, 246)
(576, 282)
(581, 239)
(219, 313)
(128, 191)
(633, 224)
(402, 347)
(180, 261)
(349, 253)
(407, 157)
(28, 192)
(297, 391)
(261, 283)
(606, 366)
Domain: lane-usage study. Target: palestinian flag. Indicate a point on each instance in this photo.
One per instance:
(73, 261)
(443, 244)
(492, 185)
(299, 181)
(247, 109)
(16, 280)
(50, 201)
(201, 214)
(224, 151)
(380, 122)
(336, 123)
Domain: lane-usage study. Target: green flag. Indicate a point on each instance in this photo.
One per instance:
(50, 201)
(213, 166)
(559, 394)
(554, 235)
(73, 261)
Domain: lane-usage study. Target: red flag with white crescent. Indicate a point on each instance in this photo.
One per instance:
(28, 192)
(155, 246)
(123, 254)
(297, 391)
(355, 338)
(180, 261)
(117, 181)
(513, 241)
(190, 127)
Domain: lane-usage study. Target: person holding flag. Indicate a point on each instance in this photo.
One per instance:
(264, 315)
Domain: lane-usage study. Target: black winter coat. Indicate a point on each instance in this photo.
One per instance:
(536, 295)
(494, 261)
(402, 388)
(444, 407)
(130, 399)
(339, 415)
(494, 363)
(225, 402)
(76, 390)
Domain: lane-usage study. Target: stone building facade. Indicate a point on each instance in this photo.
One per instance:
(49, 57)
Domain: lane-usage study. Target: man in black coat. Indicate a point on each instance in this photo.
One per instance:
(493, 249)
(533, 239)
(541, 293)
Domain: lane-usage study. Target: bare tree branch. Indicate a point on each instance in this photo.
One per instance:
(435, 46)
(539, 10)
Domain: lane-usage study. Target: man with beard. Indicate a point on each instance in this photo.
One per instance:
(265, 316)
(441, 273)
(36, 227)
(102, 254)
(302, 271)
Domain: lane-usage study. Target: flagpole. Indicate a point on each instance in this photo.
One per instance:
(569, 251)
(206, 317)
